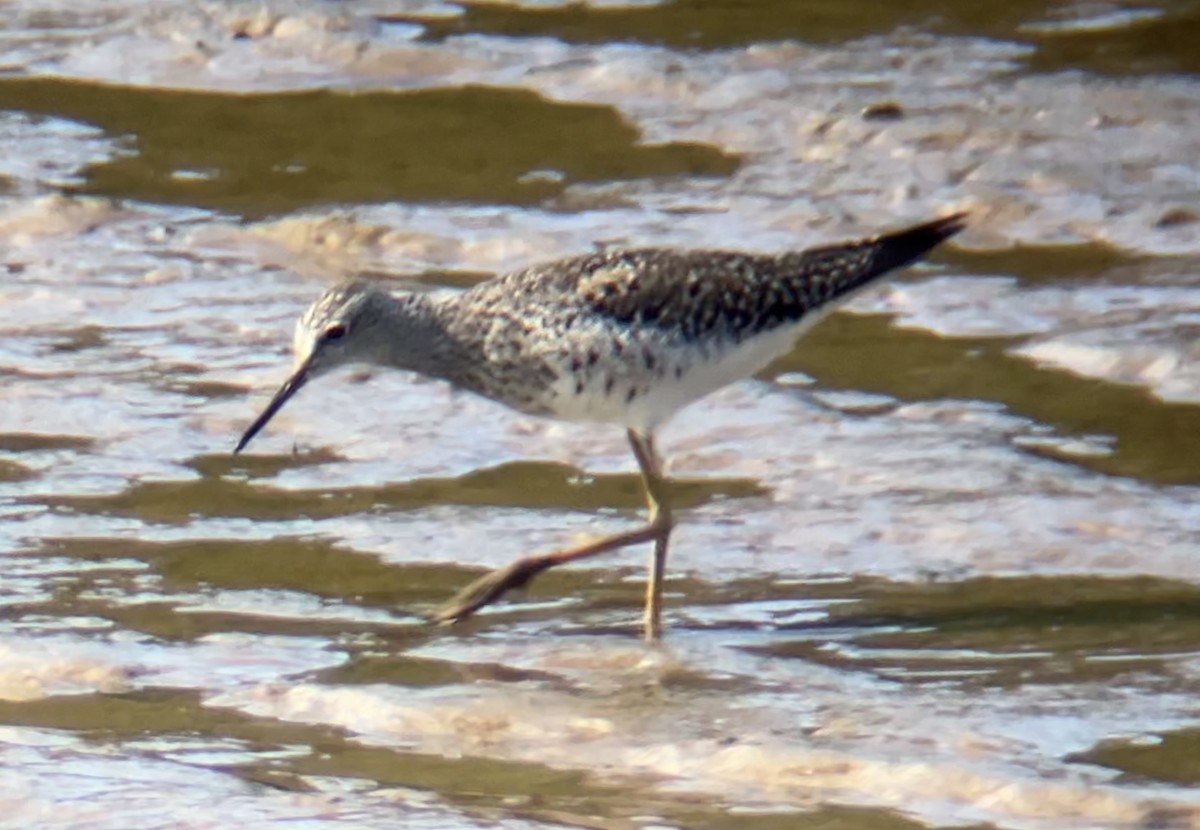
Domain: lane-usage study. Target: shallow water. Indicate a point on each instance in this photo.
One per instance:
(935, 568)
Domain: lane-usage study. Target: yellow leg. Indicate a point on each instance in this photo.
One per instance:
(661, 521)
(490, 587)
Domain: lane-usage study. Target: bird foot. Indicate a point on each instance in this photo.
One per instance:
(487, 589)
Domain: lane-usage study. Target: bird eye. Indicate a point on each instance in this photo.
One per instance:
(335, 332)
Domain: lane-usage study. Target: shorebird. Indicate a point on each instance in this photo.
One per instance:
(624, 337)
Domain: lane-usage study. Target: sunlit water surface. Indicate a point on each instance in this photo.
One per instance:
(935, 568)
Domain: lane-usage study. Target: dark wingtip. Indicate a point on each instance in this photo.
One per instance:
(902, 247)
(945, 227)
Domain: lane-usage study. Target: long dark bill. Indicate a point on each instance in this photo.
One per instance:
(289, 388)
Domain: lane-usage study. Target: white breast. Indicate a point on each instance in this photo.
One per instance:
(623, 391)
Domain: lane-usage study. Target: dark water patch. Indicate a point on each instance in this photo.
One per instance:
(273, 153)
(79, 340)
(154, 712)
(294, 757)
(184, 590)
(574, 799)
(515, 484)
(1035, 265)
(446, 278)
(1152, 38)
(178, 621)
(255, 465)
(1152, 438)
(312, 567)
(155, 719)
(1161, 42)
(469, 781)
(522, 789)
(828, 818)
(12, 471)
(403, 670)
(209, 390)
(343, 579)
(719, 24)
(425, 280)
(35, 442)
(274, 779)
(1171, 757)
(1007, 632)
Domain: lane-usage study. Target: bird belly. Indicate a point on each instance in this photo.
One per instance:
(628, 393)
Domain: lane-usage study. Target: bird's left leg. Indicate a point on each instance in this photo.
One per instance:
(662, 520)
(490, 587)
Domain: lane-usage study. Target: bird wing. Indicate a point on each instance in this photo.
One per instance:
(698, 293)
(713, 293)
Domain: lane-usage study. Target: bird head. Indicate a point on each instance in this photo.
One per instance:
(334, 331)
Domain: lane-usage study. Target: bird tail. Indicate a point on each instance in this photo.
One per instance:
(830, 272)
(895, 250)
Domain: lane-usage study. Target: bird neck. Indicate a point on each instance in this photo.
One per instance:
(416, 336)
